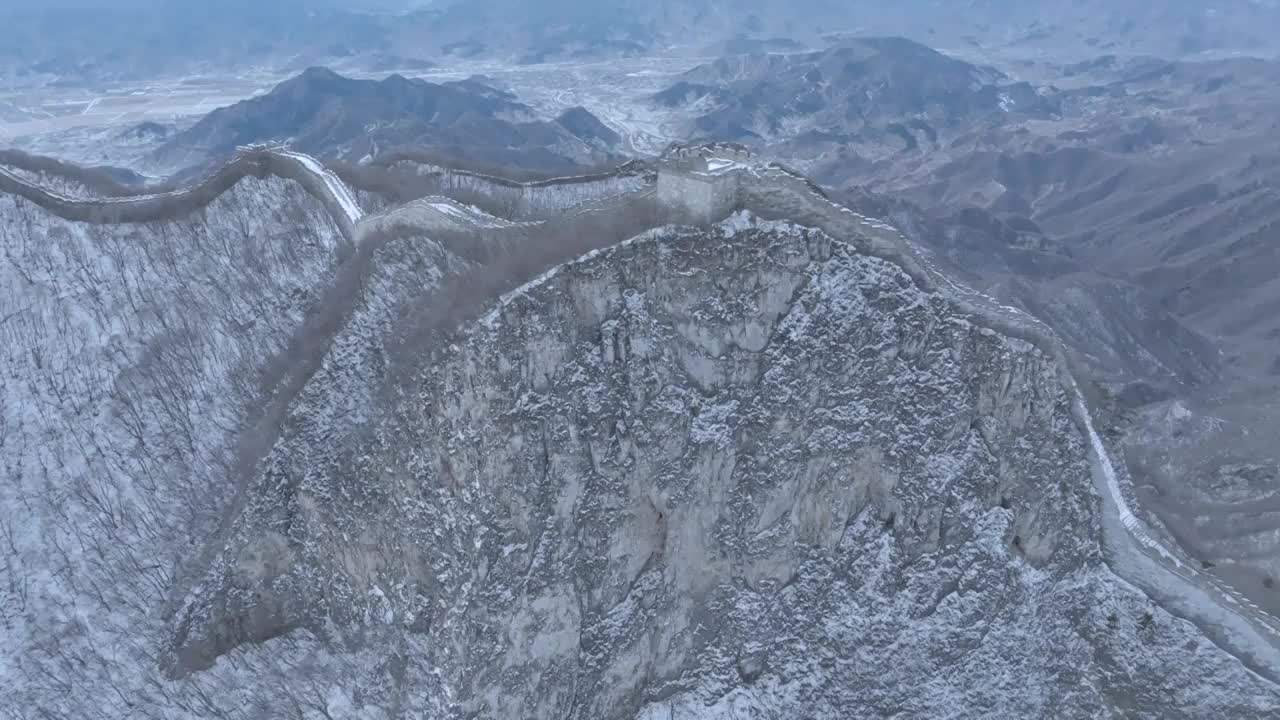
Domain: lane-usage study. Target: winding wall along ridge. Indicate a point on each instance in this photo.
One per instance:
(777, 192)
(317, 180)
(427, 163)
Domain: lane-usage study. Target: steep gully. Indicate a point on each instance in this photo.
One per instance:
(1221, 612)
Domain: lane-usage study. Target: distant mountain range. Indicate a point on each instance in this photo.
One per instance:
(82, 42)
(74, 41)
(326, 114)
(881, 86)
(563, 28)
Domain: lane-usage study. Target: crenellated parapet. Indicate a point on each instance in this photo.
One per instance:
(703, 179)
(529, 198)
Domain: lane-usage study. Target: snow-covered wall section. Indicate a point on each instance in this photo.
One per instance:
(430, 213)
(322, 183)
(526, 199)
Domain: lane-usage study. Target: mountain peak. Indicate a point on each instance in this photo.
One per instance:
(324, 113)
(320, 72)
(583, 124)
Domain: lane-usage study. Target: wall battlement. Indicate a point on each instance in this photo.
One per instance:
(703, 180)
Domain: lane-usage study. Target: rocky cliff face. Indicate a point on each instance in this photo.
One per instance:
(747, 469)
(744, 471)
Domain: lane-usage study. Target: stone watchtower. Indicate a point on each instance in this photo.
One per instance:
(702, 179)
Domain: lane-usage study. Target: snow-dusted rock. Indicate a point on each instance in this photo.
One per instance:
(759, 469)
(748, 471)
(132, 357)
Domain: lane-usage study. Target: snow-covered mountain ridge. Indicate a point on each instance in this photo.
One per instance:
(764, 467)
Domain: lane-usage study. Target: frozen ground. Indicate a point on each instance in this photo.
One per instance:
(98, 145)
(28, 112)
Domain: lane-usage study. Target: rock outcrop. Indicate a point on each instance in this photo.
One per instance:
(750, 470)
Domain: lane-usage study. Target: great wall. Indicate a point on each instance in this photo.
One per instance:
(524, 199)
(708, 183)
(152, 207)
